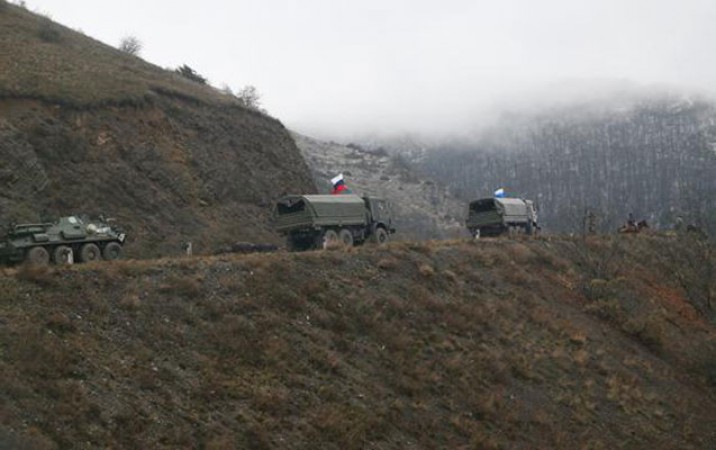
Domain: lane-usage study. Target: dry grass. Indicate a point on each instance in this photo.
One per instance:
(58, 56)
(650, 330)
(426, 270)
(388, 263)
(41, 275)
(182, 286)
(436, 350)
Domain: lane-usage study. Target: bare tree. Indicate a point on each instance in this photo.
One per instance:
(130, 45)
(250, 97)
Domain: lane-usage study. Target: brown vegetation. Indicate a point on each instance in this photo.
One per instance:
(436, 345)
(87, 128)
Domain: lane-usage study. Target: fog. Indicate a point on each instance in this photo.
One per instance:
(334, 69)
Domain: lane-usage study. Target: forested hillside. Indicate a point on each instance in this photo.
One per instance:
(654, 157)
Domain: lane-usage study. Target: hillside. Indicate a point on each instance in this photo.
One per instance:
(651, 154)
(423, 208)
(85, 128)
(545, 343)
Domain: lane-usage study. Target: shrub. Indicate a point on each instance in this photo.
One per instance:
(191, 74)
(60, 323)
(650, 331)
(185, 287)
(40, 275)
(49, 31)
(130, 45)
(388, 263)
(426, 270)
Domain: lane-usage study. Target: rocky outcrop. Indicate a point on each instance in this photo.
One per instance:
(423, 209)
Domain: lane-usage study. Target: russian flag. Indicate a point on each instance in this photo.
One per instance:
(338, 179)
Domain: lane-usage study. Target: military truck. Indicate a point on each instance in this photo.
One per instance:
(68, 240)
(496, 216)
(318, 221)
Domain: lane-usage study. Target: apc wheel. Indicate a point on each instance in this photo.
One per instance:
(380, 236)
(37, 256)
(112, 251)
(345, 237)
(89, 252)
(330, 239)
(62, 255)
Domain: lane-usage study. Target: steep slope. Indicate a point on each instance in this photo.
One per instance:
(85, 128)
(653, 156)
(423, 209)
(549, 343)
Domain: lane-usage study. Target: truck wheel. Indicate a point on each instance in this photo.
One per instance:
(330, 239)
(380, 236)
(291, 245)
(37, 256)
(62, 255)
(346, 237)
(112, 251)
(89, 252)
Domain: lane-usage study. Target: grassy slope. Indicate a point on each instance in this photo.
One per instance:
(85, 128)
(45, 60)
(495, 344)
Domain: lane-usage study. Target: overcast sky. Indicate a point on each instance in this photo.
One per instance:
(325, 66)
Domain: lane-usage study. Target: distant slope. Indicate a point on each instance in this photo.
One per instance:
(605, 343)
(86, 128)
(653, 156)
(423, 208)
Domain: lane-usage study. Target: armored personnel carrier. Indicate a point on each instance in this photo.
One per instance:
(315, 221)
(68, 240)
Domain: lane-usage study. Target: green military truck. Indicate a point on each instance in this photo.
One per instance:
(496, 216)
(318, 221)
(68, 240)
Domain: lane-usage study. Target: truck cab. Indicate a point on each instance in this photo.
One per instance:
(380, 213)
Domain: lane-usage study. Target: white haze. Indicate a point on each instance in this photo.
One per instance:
(336, 68)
